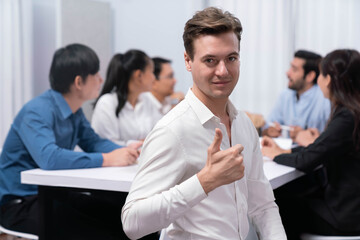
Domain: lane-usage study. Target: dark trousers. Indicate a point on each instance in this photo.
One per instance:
(75, 215)
(294, 201)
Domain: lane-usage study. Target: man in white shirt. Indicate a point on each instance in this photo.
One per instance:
(201, 171)
(162, 95)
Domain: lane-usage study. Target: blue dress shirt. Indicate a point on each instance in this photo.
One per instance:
(311, 110)
(44, 134)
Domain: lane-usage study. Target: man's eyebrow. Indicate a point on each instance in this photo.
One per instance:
(293, 66)
(213, 56)
(207, 56)
(234, 53)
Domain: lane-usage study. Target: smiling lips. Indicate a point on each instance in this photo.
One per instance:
(221, 83)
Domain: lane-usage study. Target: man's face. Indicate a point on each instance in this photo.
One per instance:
(166, 82)
(215, 67)
(91, 87)
(296, 75)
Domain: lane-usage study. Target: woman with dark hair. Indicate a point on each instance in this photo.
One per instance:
(333, 206)
(121, 113)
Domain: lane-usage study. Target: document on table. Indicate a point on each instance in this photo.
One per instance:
(285, 143)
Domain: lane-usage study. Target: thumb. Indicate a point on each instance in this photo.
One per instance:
(215, 145)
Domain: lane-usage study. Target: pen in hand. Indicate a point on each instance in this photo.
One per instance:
(283, 127)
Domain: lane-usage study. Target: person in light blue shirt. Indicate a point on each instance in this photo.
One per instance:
(46, 131)
(302, 105)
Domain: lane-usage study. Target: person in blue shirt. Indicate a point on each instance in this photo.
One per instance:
(302, 105)
(46, 131)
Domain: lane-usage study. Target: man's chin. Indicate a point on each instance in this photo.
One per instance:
(290, 86)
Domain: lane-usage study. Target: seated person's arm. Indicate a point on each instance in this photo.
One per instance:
(51, 152)
(306, 137)
(327, 144)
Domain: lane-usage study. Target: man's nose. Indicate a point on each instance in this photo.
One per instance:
(221, 69)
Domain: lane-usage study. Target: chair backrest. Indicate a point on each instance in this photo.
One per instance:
(18, 234)
(307, 236)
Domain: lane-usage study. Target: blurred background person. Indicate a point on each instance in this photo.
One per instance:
(330, 206)
(162, 94)
(121, 113)
(302, 105)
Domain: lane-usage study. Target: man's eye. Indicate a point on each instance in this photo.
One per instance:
(209, 60)
(232, 59)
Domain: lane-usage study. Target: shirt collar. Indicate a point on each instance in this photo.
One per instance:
(309, 93)
(140, 101)
(154, 100)
(60, 102)
(203, 113)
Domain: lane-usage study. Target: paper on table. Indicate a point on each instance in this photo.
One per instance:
(284, 143)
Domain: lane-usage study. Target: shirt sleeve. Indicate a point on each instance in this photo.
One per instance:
(262, 209)
(37, 134)
(152, 203)
(334, 142)
(89, 141)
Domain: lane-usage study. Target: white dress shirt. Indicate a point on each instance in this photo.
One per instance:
(162, 108)
(132, 124)
(166, 192)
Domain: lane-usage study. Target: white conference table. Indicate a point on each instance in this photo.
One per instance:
(120, 178)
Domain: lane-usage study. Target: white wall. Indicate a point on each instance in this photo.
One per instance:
(44, 42)
(155, 27)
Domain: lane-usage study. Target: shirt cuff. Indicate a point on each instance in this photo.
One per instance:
(96, 159)
(193, 191)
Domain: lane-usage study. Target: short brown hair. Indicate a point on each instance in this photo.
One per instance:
(210, 21)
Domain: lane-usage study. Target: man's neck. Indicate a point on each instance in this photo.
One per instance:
(73, 101)
(218, 106)
(159, 97)
(302, 91)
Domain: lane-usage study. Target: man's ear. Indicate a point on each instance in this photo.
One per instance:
(78, 82)
(187, 61)
(310, 77)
